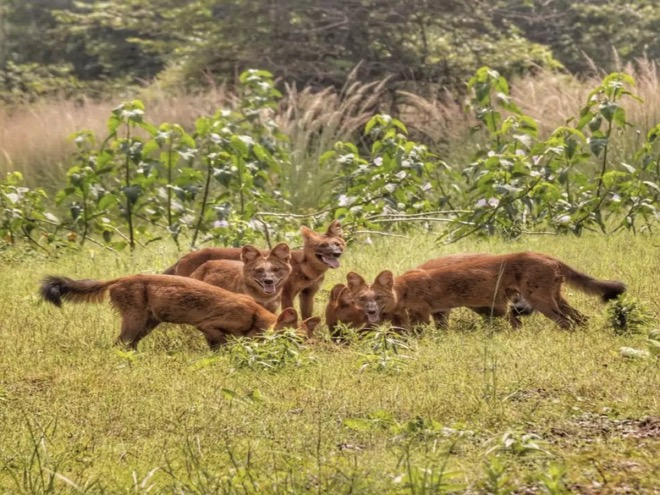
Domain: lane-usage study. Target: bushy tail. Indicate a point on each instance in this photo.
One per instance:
(606, 289)
(56, 289)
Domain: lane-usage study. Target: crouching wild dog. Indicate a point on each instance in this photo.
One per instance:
(341, 309)
(378, 301)
(309, 264)
(259, 276)
(489, 281)
(441, 318)
(145, 301)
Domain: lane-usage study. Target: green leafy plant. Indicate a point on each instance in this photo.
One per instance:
(497, 481)
(385, 346)
(23, 215)
(519, 445)
(553, 480)
(274, 351)
(393, 180)
(627, 315)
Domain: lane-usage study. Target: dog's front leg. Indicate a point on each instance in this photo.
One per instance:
(307, 301)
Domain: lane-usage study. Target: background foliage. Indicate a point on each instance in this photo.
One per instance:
(60, 45)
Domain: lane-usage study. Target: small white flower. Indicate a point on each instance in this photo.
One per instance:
(493, 202)
(220, 224)
(564, 219)
(344, 200)
(481, 203)
(378, 161)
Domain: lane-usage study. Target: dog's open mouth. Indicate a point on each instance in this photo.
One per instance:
(268, 286)
(372, 316)
(332, 260)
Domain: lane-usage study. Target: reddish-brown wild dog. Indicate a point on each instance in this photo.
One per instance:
(145, 301)
(441, 318)
(309, 264)
(489, 281)
(259, 276)
(342, 309)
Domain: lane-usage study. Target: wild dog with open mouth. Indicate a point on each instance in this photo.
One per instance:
(378, 301)
(490, 282)
(441, 318)
(145, 301)
(259, 276)
(309, 264)
(342, 309)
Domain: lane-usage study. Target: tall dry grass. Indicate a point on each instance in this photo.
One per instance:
(33, 140)
(314, 122)
(550, 98)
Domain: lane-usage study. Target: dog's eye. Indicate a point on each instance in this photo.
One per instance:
(260, 270)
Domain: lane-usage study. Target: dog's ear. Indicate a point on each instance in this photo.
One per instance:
(336, 290)
(386, 279)
(335, 230)
(288, 318)
(307, 233)
(249, 253)
(282, 252)
(354, 281)
(345, 297)
(307, 326)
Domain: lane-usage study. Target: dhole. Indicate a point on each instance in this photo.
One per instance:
(145, 301)
(259, 276)
(309, 264)
(489, 281)
(441, 318)
(342, 309)
(378, 301)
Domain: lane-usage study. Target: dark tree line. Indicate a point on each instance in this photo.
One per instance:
(67, 45)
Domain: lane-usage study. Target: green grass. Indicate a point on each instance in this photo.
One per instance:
(79, 415)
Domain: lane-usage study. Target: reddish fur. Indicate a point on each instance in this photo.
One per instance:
(308, 268)
(247, 276)
(145, 301)
(441, 318)
(490, 281)
(341, 309)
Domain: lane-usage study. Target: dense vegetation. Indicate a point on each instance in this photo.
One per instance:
(64, 45)
(230, 178)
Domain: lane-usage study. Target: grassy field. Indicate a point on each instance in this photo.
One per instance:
(479, 408)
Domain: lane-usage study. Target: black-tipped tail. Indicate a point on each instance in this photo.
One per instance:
(56, 289)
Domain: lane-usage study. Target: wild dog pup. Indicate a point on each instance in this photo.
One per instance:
(341, 308)
(441, 318)
(378, 301)
(259, 276)
(492, 281)
(145, 301)
(309, 264)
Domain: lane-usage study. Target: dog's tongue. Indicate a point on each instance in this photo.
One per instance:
(372, 317)
(331, 261)
(269, 289)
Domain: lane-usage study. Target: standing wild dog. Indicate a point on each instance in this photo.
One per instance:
(145, 301)
(259, 276)
(309, 264)
(441, 318)
(341, 308)
(491, 282)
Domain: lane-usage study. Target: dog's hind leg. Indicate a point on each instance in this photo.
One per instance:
(134, 327)
(572, 313)
(550, 308)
